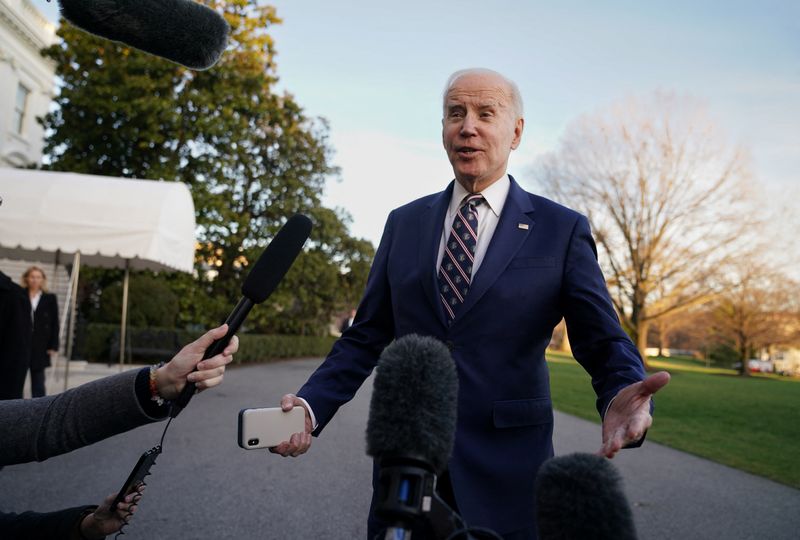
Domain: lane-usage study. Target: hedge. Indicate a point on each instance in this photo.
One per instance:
(95, 340)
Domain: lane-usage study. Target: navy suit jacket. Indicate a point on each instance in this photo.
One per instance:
(541, 265)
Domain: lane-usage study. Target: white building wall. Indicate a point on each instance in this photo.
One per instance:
(24, 31)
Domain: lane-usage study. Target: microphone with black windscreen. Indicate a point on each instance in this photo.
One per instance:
(580, 497)
(259, 284)
(410, 433)
(182, 31)
(413, 408)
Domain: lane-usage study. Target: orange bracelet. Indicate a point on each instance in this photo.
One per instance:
(154, 395)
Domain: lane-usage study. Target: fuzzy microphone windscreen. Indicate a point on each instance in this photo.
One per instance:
(182, 31)
(580, 497)
(414, 402)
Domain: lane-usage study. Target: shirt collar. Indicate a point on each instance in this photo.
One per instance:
(495, 195)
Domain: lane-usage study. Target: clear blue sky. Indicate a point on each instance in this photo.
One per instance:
(375, 70)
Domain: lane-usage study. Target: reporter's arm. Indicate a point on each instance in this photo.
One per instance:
(37, 429)
(78, 523)
(41, 526)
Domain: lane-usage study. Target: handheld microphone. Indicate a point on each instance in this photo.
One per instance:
(580, 497)
(182, 31)
(410, 432)
(262, 280)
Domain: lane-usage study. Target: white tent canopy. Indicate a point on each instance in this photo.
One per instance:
(97, 220)
(108, 220)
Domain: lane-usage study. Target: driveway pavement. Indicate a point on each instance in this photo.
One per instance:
(205, 487)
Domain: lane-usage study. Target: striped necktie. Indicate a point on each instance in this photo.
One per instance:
(455, 272)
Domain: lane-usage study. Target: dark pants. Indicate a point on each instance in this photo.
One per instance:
(37, 382)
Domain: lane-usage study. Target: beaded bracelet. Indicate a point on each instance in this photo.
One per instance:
(154, 395)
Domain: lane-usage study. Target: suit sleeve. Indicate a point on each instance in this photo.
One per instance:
(52, 340)
(355, 354)
(598, 342)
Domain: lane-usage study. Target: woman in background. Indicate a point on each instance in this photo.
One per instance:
(44, 313)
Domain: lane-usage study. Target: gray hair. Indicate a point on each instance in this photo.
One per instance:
(516, 97)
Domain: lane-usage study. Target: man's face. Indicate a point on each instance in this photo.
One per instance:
(479, 129)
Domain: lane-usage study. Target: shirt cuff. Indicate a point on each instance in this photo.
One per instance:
(310, 413)
(609, 406)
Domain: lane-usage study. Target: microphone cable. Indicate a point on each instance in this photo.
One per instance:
(474, 533)
(466, 533)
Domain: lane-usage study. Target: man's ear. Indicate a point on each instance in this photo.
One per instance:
(519, 125)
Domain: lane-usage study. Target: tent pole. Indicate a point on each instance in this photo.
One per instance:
(53, 371)
(55, 266)
(76, 271)
(123, 325)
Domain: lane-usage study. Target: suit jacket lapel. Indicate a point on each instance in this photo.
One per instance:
(507, 240)
(430, 233)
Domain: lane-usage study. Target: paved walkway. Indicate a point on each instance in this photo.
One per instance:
(676, 495)
(205, 487)
(80, 372)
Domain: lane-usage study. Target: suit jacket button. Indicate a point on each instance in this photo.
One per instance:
(450, 345)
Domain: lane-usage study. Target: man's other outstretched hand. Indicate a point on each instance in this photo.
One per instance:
(628, 417)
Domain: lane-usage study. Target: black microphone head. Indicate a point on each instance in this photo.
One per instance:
(182, 31)
(414, 402)
(276, 259)
(580, 497)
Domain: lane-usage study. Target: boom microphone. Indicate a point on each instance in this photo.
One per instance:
(182, 31)
(580, 497)
(265, 276)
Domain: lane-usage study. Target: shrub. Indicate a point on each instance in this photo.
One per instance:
(100, 342)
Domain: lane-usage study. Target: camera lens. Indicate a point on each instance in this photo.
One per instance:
(252, 442)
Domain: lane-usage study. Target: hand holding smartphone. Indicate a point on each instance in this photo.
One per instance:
(268, 427)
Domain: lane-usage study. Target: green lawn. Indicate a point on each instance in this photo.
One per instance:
(752, 424)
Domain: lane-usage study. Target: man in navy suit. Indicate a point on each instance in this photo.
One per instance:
(489, 269)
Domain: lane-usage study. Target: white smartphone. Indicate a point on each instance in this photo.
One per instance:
(267, 427)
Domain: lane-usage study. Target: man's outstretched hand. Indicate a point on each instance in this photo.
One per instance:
(628, 417)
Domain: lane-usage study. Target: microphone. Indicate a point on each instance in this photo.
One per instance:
(265, 276)
(182, 31)
(580, 497)
(410, 432)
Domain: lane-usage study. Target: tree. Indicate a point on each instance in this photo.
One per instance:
(666, 197)
(759, 310)
(151, 299)
(251, 158)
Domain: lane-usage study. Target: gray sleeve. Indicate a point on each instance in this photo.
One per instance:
(37, 429)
